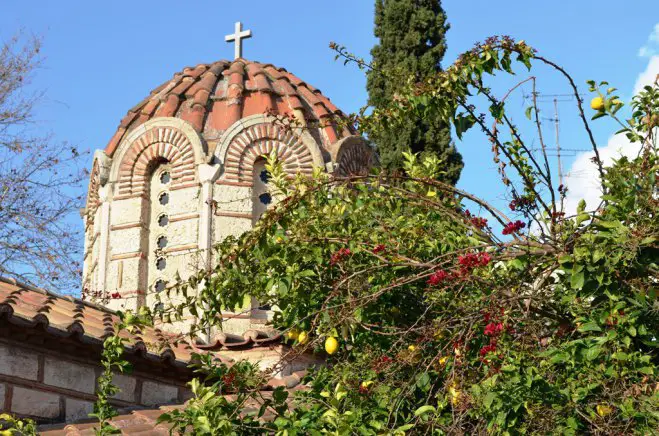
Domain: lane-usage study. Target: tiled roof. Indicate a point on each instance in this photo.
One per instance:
(144, 422)
(213, 96)
(69, 317)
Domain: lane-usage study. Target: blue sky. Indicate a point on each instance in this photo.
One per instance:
(103, 57)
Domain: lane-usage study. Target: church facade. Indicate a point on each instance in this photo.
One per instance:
(185, 169)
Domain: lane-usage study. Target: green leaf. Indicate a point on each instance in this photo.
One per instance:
(279, 395)
(424, 409)
(528, 112)
(577, 280)
(593, 352)
(620, 355)
(489, 398)
(581, 206)
(590, 326)
(404, 428)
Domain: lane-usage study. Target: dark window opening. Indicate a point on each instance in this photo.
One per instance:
(159, 286)
(165, 178)
(162, 242)
(163, 220)
(164, 198)
(265, 198)
(161, 263)
(264, 176)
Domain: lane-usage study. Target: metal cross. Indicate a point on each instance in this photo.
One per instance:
(238, 36)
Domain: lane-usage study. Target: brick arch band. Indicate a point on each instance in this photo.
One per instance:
(93, 199)
(260, 140)
(157, 144)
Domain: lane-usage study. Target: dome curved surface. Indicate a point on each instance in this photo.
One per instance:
(212, 97)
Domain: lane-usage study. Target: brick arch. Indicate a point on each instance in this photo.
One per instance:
(260, 140)
(354, 157)
(156, 145)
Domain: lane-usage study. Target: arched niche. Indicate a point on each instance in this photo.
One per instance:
(254, 137)
(161, 139)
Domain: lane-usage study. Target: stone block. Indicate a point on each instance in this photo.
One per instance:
(69, 375)
(18, 362)
(127, 385)
(77, 409)
(35, 403)
(125, 240)
(3, 389)
(126, 211)
(154, 393)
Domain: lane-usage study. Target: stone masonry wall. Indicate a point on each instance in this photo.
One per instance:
(56, 388)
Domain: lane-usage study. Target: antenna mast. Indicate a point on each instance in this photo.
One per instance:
(558, 145)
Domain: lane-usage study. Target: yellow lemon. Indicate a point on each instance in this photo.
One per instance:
(597, 103)
(292, 334)
(366, 384)
(603, 410)
(412, 347)
(331, 345)
(303, 337)
(6, 433)
(442, 361)
(279, 240)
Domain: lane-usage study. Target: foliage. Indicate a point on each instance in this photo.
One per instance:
(10, 426)
(112, 361)
(412, 43)
(211, 411)
(453, 317)
(37, 242)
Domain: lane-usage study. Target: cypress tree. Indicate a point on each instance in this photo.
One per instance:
(412, 40)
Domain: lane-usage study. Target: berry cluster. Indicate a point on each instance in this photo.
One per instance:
(228, 380)
(520, 203)
(476, 221)
(513, 227)
(467, 263)
(437, 277)
(340, 255)
(493, 330)
(378, 248)
(115, 295)
(472, 260)
(490, 348)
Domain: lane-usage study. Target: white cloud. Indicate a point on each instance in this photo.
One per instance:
(651, 47)
(648, 76)
(583, 178)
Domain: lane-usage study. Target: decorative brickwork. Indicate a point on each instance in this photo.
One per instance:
(260, 140)
(93, 200)
(354, 157)
(158, 144)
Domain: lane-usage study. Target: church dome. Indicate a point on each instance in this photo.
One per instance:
(212, 97)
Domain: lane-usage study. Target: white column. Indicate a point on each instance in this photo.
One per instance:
(104, 237)
(207, 176)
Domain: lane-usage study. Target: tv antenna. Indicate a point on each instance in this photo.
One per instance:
(558, 151)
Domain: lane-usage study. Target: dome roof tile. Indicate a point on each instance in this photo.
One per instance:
(213, 96)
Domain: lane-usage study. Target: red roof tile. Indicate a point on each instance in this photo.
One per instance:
(251, 86)
(65, 316)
